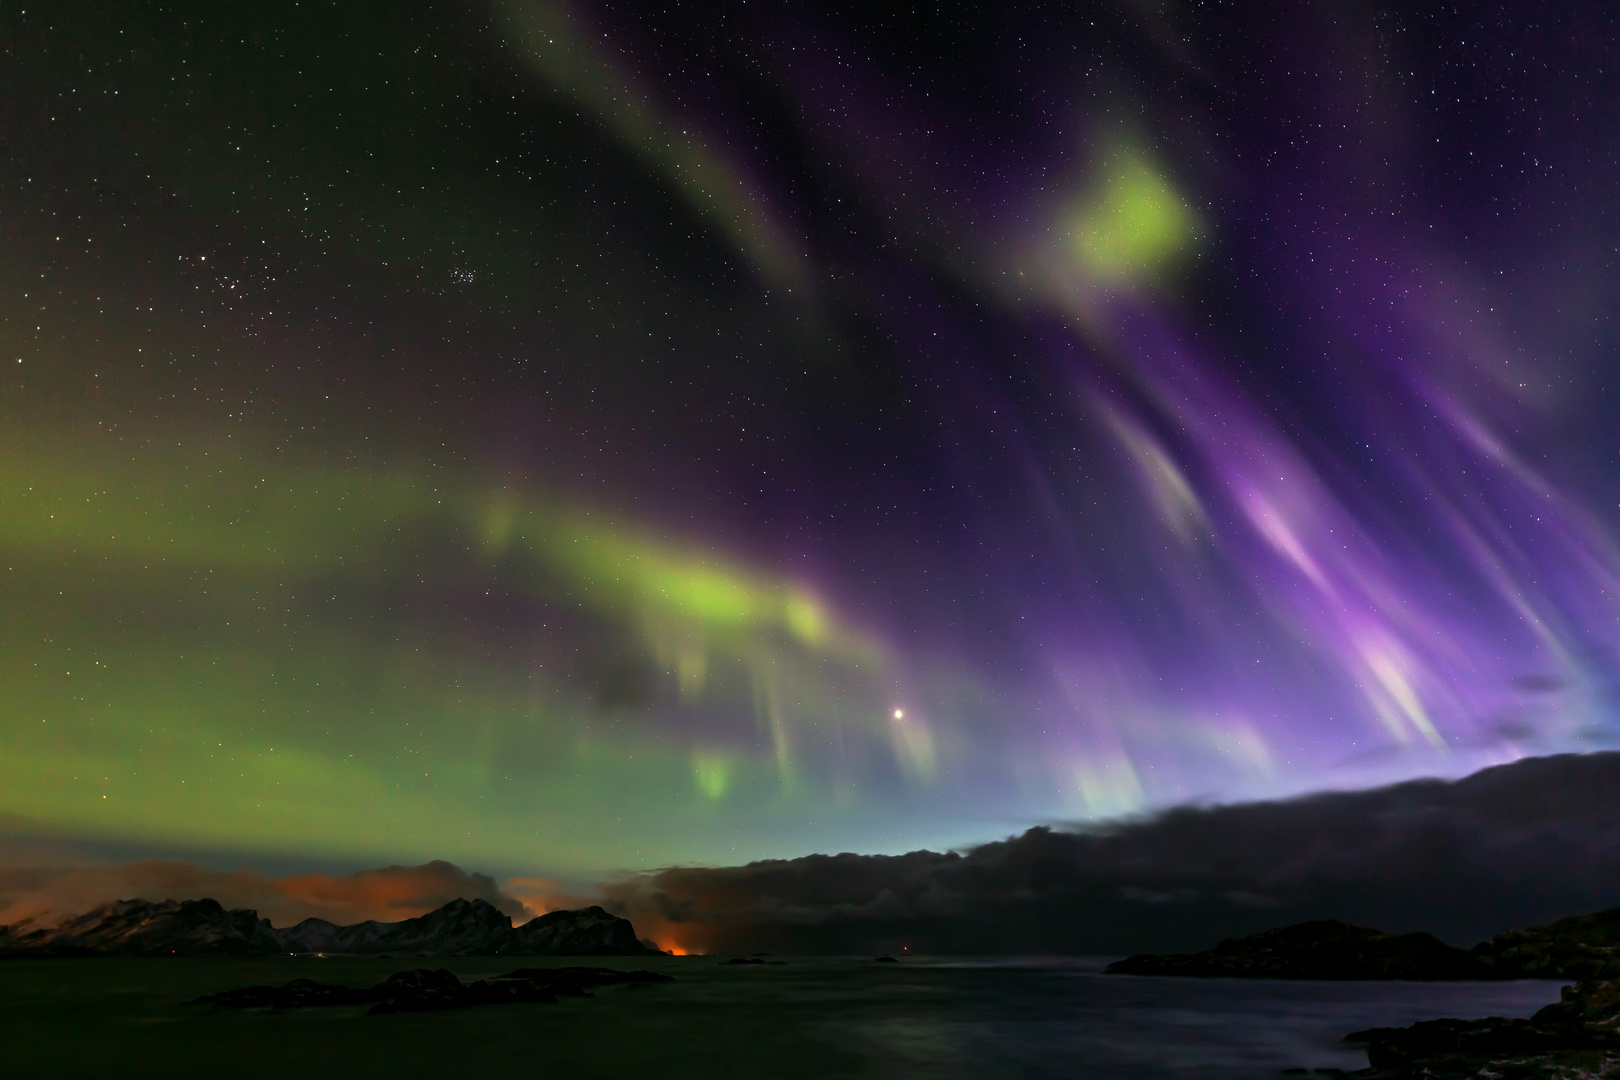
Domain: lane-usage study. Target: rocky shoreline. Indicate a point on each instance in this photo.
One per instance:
(1577, 1037)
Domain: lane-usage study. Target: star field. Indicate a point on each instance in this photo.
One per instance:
(578, 437)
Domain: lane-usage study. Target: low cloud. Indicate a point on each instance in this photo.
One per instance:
(388, 894)
(1510, 846)
(542, 894)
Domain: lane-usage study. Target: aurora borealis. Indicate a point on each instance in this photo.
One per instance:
(564, 438)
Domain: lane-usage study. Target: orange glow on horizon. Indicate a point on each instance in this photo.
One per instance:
(542, 895)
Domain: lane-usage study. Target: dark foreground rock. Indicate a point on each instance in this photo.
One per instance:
(425, 990)
(1558, 1065)
(1323, 949)
(298, 994)
(1492, 1037)
(205, 928)
(1577, 1037)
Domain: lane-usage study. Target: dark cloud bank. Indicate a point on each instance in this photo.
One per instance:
(1509, 846)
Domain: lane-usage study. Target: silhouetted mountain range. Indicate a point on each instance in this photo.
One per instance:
(205, 928)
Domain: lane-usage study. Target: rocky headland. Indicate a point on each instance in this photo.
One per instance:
(1322, 949)
(1576, 1039)
(1579, 947)
(205, 928)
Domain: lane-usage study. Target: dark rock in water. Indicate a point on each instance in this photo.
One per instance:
(741, 960)
(204, 928)
(425, 990)
(300, 993)
(1579, 1036)
(1324, 949)
(885, 960)
(1579, 947)
(430, 991)
(422, 990)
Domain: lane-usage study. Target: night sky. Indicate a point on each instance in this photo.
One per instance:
(568, 437)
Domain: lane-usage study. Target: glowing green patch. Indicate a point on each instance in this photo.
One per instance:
(672, 587)
(624, 568)
(806, 619)
(1132, 224)
(202, 646)
(708, 594)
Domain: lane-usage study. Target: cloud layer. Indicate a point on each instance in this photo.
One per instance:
(1508, 846)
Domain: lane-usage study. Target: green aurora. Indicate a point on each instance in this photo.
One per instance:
(564, 438)
(210, 651)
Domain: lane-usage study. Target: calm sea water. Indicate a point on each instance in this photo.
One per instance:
(940, 1019)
